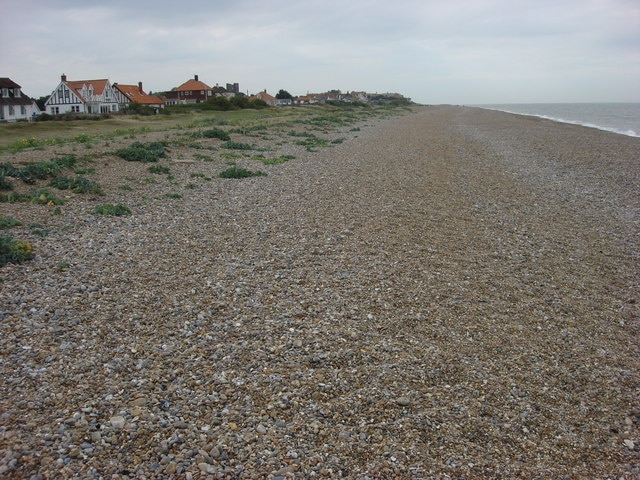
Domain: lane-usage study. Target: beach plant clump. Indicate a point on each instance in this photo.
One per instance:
(78, 184)
(41, 196)
(142, 152)
(238, 172)
(231, 145)
(14, 251)
(159, 169)
(9, 222)
(37, 171)
(215, 133)
(274, 160)
(111, 209)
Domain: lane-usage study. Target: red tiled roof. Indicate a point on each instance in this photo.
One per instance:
(265, 96)
(135, 94)
(192, 85)
(98, 86)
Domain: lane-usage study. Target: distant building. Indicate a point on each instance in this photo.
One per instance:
(15, 105)
(126, 94)
(82, 96)
(264, 96)
(191, 91)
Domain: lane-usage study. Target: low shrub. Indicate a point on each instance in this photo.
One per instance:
(78, 184)
(215, 133)
(237, 172)
(158, 169)
(14, 251)
(231, 145)
(43, 196)
(110, 209)
(9, 222)
(142, 152)
(38, 171)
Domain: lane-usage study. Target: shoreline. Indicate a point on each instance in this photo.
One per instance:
(583, 123)
(449, 294)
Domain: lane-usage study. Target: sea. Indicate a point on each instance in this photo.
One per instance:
(622, 118)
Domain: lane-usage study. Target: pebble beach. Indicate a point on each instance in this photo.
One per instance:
(451, 293)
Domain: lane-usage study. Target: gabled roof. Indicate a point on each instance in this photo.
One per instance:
(22, 99)
(265, 96)
(76, 86)
(136, 94)
(192, 85)
(8, 83)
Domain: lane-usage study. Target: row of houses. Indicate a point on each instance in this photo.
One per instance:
(101, 96)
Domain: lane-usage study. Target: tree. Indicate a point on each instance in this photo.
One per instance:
(283, 94)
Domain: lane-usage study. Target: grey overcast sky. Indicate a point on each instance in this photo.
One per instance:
(444, 51)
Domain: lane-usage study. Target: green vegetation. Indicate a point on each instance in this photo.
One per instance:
(311, 141)
(40, 196)
(142, 152)
(231, 145)
(9, 222)
(275, 160)
(213, 133)
(14, 251)
(237, 172)
(78, 184)
(159, 169)
(110, 209)
(84, 170)
(37, 171)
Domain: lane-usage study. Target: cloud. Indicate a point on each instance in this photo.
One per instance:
(455, 51)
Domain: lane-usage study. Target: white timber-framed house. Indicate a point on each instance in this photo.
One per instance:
(14, 104)
(93, 97)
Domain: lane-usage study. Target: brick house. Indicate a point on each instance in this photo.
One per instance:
(191, 91)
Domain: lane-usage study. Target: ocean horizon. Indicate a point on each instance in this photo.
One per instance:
(621, 118)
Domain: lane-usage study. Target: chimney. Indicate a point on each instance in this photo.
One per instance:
(140, 87)
(63, 77)
(195, 77)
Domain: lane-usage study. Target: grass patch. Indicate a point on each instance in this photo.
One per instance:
(237, 172)
(84, 170)
(14, 251)
(231, 155)
(142, 152)
(111, 209)
(9, 222)
(311, 142)
(173, 195)
(204, 158)
(274, 160)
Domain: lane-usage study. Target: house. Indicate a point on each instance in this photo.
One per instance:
(82, 96)
(308, 99)
(264, 96)
(191, 91)
(15, 105)
(126, 94)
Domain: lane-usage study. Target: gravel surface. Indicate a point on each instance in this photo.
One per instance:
(452, 293)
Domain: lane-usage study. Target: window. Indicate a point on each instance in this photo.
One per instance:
(11, 110)
(23, 110)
